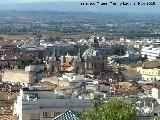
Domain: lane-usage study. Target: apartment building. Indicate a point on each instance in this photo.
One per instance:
(149, 74)
(38, 104)
(152, 52)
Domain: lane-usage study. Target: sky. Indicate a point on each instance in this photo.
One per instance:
(33, 1)
(41, 1)
(24, 1)
(58, 5)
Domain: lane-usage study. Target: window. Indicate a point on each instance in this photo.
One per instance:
(50, 114)
(88, 65)
(92, 64)
(53, 68)
(56, 114)
(45, 114)
(35, 116)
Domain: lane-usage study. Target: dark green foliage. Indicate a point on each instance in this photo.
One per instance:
(51, 38)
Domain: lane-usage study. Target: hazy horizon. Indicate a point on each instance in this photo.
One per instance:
(70, 5)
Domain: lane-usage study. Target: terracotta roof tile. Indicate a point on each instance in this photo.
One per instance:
(8, 117)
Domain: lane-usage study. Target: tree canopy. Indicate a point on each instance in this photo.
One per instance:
(112, 110)
(51, 38)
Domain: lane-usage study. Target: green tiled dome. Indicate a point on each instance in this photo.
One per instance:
(92, 52)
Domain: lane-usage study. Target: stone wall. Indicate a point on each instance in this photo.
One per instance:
(18, 76)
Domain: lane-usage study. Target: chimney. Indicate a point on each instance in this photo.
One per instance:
(152, 105)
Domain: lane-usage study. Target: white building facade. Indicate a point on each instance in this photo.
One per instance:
(46, 105)
(151, 52)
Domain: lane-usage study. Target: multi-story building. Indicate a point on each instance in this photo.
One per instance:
(8, 49)
(36, 104)
(31, 74)
(94, 61)
(149, 71)
(8, 93)
(152, 52)
(61, 47)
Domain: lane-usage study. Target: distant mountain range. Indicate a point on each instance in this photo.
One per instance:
(77, 7)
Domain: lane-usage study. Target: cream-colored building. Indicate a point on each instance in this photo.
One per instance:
(18, 76)
(68, 79)
(67, 59)
(29, 75)
(34, 104)
(57, 81)
(137, 45)
(149, 74)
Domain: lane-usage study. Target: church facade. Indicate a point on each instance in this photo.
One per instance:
(94, 62)
(90, 62)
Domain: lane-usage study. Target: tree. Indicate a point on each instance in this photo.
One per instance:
(157, 118)
(98, 101)
(112, 110)
(1, 38)
(50, 38)
(144, 59)
(57, 38)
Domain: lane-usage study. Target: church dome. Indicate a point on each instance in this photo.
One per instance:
(91, 52)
